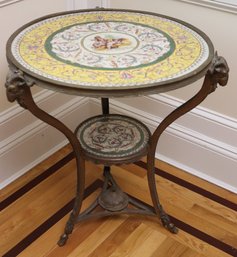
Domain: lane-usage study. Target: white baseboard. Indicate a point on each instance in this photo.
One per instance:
(26, 141)
(202, 142)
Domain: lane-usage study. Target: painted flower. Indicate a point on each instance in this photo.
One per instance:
(126, 75)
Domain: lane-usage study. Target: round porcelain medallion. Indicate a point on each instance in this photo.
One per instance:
(109, 45)
(112, 135)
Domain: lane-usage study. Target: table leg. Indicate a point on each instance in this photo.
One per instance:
(105, 105)
(18, 88)
(217, 74)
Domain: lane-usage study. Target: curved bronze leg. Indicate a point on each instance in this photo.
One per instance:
(18, 88)
(217, 74)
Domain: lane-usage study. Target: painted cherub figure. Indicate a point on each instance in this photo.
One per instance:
(109, 43)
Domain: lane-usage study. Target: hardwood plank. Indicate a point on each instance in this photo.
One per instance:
(148, 247)
(225, 219)
(143, 240)
(97, 237)
(173, 248)
(116, 238)
(46, 245)
(135, 169)
(211, 227)
(178, 251)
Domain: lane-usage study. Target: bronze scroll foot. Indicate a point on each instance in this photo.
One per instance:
(165, 219)
(158, 209)
(63, 239)
(67, 231)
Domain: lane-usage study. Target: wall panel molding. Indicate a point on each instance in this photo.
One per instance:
(7, 2)
(224, 5)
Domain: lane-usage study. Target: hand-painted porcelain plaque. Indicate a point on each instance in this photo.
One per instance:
(109, 45)
(112, 136)
(109, 49)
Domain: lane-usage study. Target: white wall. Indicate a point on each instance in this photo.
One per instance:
(24, 141)
(14, 16)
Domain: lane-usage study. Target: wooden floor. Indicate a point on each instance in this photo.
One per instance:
(34, 210)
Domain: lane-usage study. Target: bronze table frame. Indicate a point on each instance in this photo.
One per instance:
(18, 88)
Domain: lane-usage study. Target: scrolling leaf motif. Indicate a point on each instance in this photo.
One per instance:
(15, 84)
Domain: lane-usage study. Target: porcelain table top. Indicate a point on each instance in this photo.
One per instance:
(110, 50)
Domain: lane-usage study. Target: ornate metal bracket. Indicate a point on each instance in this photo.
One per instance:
(218, 72)
(15, 84)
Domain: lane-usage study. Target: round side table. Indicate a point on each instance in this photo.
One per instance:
(107, 53)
